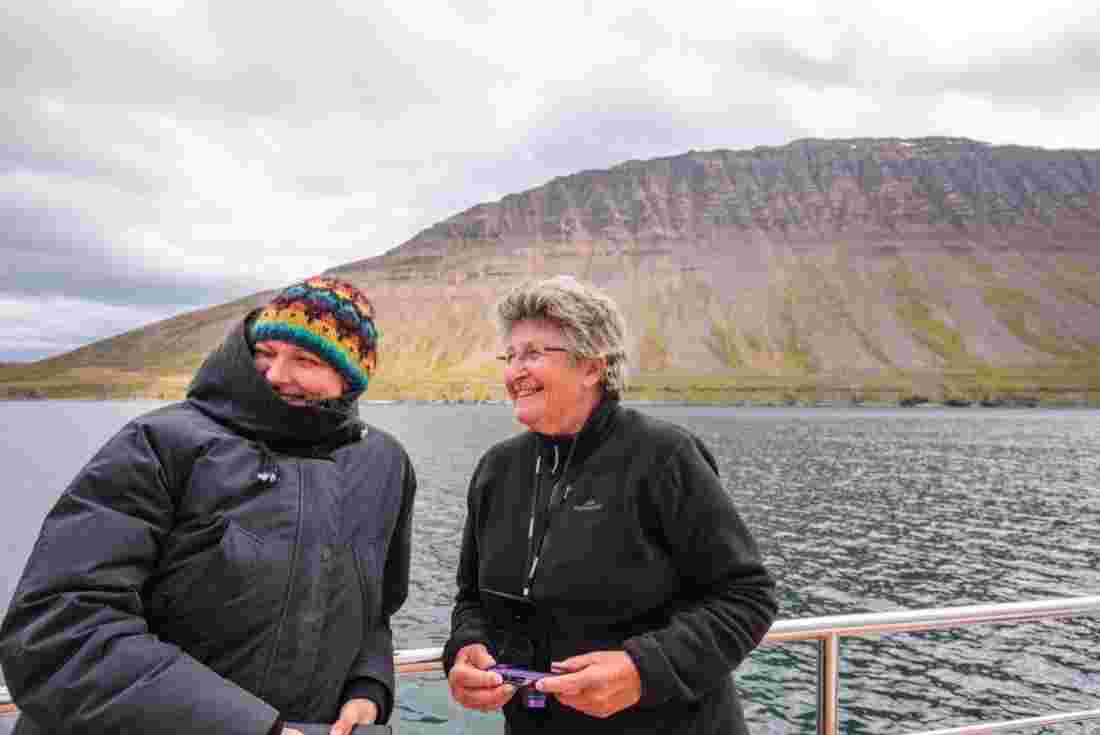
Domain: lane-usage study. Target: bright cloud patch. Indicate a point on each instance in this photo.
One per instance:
(185, 153)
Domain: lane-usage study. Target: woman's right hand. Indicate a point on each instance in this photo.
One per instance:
(474, 687)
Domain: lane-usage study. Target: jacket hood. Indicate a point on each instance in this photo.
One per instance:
(229, 389)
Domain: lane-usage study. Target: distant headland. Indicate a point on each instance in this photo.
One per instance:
(822, 272)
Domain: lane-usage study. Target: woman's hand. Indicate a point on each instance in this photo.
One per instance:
(599, 683)
(354, 712)
(474, 687)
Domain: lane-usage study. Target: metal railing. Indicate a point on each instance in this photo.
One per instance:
(827, 632)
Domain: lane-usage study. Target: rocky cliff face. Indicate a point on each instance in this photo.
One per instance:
(846, 262)
(810, 191)
(823, 268)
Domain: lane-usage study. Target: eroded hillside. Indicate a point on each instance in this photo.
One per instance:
(842, 270)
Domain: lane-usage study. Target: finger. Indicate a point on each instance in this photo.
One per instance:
(469, 677)
(475, 654)
(593, 707)
(573, 663)
(578, 702)
(354, 712)
(481, 658)
(486, 700)
(346, 722)
(368, 714)
(568, 684)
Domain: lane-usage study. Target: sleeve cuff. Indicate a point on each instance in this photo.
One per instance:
(456, 644)
(367, 688)
(648, 659)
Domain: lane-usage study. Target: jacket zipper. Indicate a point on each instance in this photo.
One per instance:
(534, 547)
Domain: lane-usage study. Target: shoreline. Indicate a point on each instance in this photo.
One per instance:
(1007, 404)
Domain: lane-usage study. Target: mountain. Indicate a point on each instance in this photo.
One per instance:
(860, 269)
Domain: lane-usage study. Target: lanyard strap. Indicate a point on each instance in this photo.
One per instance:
(534, 545)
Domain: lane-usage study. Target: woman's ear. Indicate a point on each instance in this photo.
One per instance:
(593, 371)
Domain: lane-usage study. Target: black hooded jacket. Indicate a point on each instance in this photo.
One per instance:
(643, 552)
(221, 562)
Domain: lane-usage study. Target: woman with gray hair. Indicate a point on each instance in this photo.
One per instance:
(606, 582)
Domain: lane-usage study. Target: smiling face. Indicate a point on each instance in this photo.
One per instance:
(555, 393)
(299, 376)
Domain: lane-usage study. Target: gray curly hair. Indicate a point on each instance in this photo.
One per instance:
(590, 320)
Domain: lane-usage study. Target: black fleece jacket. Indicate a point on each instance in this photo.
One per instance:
(644, 551)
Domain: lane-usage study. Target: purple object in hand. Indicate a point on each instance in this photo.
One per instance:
(523, 678)
(519, 677)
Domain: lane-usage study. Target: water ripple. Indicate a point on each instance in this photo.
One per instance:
(855, 510)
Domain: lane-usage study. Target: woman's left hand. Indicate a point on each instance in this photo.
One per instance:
(599, 683)
(354, 712)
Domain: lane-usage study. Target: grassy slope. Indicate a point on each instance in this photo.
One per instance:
(799, 273)
(441, 346)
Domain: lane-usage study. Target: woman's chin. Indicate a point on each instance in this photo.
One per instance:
(524, 417)
(525, 413)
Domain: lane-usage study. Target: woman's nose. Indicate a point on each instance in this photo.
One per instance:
(514, 369)
(277, 372)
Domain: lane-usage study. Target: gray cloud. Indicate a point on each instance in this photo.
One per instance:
(163, 157)
(19, 158)
(49, 251)
(782, 58)
(1054, 71)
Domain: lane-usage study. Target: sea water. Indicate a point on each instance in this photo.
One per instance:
(855, 510)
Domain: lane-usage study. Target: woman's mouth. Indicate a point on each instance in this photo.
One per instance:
(524, 391)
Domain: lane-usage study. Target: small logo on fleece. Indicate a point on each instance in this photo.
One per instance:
(589, 504)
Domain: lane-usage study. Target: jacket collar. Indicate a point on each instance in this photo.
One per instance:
(229, 389)
(596, 428)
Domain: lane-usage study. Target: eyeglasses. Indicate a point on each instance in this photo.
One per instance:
(529, 356)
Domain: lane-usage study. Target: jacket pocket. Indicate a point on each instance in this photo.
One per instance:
(213, 593)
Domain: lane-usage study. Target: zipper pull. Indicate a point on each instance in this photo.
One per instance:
(530, 577)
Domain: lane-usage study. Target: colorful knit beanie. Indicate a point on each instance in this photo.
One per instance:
(330, 318)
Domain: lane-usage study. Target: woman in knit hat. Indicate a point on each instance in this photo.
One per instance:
(229, 563)
(316, 341)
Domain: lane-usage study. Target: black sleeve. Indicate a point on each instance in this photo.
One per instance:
(729, 601)
(373, 674)
(76, 649)
(468, 623)
(375, 691)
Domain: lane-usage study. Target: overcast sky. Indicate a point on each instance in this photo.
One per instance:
(158, 157)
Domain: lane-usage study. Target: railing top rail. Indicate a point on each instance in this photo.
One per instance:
(894, 621)
(417, 655)
(1021, 724)
(924, 619)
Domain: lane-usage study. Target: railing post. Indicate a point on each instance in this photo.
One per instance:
(828, 685)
